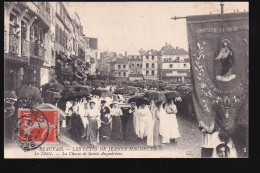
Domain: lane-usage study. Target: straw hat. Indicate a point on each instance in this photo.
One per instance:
(115, 102)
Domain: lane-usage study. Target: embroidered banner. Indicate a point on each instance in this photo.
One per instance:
(219, 66)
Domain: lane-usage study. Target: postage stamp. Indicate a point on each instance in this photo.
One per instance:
(35, 127)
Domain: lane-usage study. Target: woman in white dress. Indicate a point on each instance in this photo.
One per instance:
(151, 121)
(93, 116)
(164, 125)
(144, 116)
(171, 111)
(157, 138)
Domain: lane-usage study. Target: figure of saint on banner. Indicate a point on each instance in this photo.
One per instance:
(226, 58)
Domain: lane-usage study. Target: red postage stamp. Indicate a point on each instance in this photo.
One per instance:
(35, 127)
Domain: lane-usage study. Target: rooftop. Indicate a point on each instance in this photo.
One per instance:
(170, 50)
(134, 58)
(150, 52)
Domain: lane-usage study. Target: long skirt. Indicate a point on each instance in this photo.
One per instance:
(130, 130)
(92, 132)
(105, 130)
(143, 129)
(68, 121)
(77, 128)
(157, 139)
(173, 126)
(117, 128)
(150, 126)
(164, 128)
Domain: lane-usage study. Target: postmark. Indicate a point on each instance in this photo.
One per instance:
(35, 127)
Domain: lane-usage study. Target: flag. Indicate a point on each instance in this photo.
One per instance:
(219, 69)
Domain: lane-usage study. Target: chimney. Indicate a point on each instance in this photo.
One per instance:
(125, 54)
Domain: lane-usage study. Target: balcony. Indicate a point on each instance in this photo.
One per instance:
(14, 44)
(40, 10)
(43, 13)
(37, 51)
(25, 48)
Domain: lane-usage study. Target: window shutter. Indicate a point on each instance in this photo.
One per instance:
(56, 33)
(64, 39)
(60, 36)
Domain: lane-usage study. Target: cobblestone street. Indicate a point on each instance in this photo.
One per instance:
(190, 141)
(188, 145)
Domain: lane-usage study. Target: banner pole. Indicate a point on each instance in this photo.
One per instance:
(222, 7)
(175, 18)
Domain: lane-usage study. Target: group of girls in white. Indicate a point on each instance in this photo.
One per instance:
(157, 123)
(97, 119)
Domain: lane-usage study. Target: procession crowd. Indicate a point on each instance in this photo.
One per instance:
(96, 119)
(97, 116)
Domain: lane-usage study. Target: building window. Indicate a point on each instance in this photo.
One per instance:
(124, 73)
(147, 57)
(66, 41)
(57, 33)
(119, 73)
(124, 66)
(137, 65)
(74, 44)
(119, 66)
(140, 65)
(60, 10)
(147, 72)
(152, 65)
(147, 65)
(152, 57)
(152, 72)
(133, 57)
(133, 65)
(170, 65)
(185, 65)
(48, 8)
(13, 18)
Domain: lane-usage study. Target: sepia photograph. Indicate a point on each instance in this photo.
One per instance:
(126, 80)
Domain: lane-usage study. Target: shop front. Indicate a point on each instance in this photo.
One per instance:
(15, 71)
(34, 70)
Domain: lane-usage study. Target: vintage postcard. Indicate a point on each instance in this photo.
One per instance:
(126, 79)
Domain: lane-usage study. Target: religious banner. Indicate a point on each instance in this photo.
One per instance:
(219, 69)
